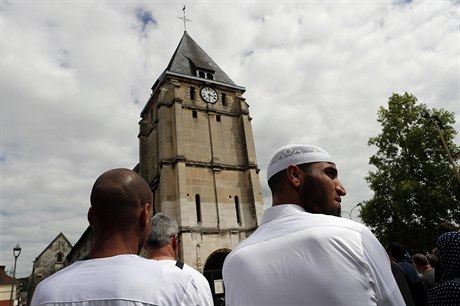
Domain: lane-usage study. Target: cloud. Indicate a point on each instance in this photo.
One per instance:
(75, 76)
(145, 17)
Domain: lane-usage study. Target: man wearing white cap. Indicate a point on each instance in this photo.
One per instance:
(302, 254)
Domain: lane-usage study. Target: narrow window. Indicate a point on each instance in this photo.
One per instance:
(59, 257)
(192, 93)
(218, 118)
(198, 208)
(237, 209)
(194, 114)
(224, 101)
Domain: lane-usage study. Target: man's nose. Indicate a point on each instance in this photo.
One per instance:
(340, 189)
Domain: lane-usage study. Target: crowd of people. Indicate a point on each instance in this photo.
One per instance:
(426, 279)
(302, 253)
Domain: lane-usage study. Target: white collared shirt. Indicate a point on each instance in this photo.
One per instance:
(123, 280)
(298, 258)
(202, 284)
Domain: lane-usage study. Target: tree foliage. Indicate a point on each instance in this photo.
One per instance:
(414, 190)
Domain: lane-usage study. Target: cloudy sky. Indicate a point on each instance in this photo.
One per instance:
(76, 74)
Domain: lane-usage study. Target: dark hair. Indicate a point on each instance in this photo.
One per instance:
(432, 259)
(446, 227)
(277, 180)
(420, 260)
(397, 250)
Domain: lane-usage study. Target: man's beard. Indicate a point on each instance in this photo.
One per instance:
(314, 199)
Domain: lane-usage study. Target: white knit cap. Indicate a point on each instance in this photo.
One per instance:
(296, 154)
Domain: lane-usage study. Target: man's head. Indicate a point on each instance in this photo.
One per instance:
(121, 202)
(307, 176)
(163, 228)
(163, 235)
(446, 227)
(420, 261)
(396, 251)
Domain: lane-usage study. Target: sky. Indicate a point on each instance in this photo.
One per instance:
(75, 75)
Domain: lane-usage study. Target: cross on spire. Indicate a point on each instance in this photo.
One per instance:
(184, 19)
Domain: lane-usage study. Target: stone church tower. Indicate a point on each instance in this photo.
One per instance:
(197, 153)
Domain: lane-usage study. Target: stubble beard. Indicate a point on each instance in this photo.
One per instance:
(314, 199)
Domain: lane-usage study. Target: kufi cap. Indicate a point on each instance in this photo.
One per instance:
(296, 154)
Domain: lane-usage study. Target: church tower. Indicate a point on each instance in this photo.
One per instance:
(197, 153)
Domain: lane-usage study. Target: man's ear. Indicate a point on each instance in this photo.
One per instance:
(175, 244)
(145, 218)
(294, 175)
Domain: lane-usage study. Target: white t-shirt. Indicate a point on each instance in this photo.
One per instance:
(298, 258)
(202, 284)
(117, 281)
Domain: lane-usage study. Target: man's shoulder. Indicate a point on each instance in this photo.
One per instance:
(112, 267)
(193, 272)
(308, 224)
(101, 279)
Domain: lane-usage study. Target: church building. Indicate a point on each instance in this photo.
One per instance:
(197, 153)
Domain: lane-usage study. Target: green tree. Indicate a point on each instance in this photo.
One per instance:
(414, 190)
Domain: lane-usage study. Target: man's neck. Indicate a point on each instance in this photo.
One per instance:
(163, 253)
(162, 257)
(112, 246)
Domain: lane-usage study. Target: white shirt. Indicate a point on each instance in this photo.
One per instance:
(117, 281)
(202, 284)
(298, 258)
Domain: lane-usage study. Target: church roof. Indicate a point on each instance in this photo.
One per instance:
(52, 242)
(189, 56)
(188, 61)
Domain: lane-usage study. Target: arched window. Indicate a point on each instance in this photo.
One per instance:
(237, 209)
(198, 208)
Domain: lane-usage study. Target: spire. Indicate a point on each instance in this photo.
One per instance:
(189, 59)
(184, 19)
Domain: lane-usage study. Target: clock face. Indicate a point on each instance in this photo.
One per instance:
(209, 94)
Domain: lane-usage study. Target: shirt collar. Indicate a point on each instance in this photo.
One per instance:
(280, 211)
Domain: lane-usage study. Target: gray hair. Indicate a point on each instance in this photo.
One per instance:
(420, 260)
(163, 228)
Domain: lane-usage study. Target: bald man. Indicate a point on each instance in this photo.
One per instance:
(113, 273)
(303, 253)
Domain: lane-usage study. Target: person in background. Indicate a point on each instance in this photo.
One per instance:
(447, 293)
(113, 273)
(397, 254)
(163, 244)
(303, 253)
(433, 261)
(417, 286)
(424, 269)
(443, 228)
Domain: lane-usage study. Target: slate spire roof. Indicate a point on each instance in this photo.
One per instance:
(189, 57)
(189, 60)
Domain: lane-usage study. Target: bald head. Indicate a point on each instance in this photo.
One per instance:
(117, 197)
